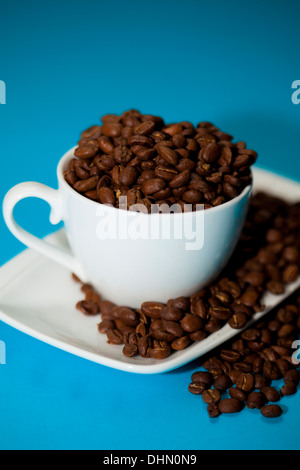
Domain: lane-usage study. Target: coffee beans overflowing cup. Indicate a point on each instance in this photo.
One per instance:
(139, 156)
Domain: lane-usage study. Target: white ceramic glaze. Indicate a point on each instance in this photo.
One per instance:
(38, 297)
(129, 271)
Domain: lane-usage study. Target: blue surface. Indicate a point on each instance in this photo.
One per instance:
(64, 65)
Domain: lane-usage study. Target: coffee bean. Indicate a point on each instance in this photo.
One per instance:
(271, 411)
(271, 394)
(290, 388)
(130, 350)
(171, 313)
(211, 396)
(111, 129)
(291, 375)
(106, 196)
(191, 323)
(160, 350)
(173, 328)
(290, 273)
(245, 382)
(230, 356)
(152, 309)
(271, 371)
(260, 382)
(238, 320)
(222, 383)
(114, 337)
(220, 313)
(237, 394)
(128, 316)
(128, 176)
(197, 388)
(143, 346)
(180, 343)
(211, 153)
(169, 155)
(230, 405)
(204, 377)
(106, 325)
(87, 307)
(256, 400)
(213, 410)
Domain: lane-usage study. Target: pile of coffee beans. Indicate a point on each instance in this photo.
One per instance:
(139, 156)
(266, 258)
(242, 372)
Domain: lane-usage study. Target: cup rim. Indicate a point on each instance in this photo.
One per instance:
(63, 183)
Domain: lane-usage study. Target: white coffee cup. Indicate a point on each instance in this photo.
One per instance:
(124, 268)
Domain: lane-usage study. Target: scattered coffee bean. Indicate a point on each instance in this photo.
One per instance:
(230, 405)
(211, 396)
(288, 389)
(271, 394)
(271, 411)
(256, 400)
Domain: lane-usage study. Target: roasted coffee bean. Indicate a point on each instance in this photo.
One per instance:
(271, 411)
(106, 196)
(290, 388)
(86, 185)
(106, 307)
(271, 394)
(256, 400)
(260, 382)
(171, 313)
(160, 350)
(114, 336)
(283, 365)
(182, 303)
(230, 405)
(152, 186)
(275, 287)
(204, 377)
(169, 155)
(87, 307)
(191, 323)
(106, 325)
(173, 328)
(290, 273)
(128, 176)
(152, 309)
(291, 375)
(271, 371)
(128, 316)
(143, 346)
(220, 313)
(85, 152)
(198, 335)
(197, 388)
(245, 382)
(211, 396)
(222, 383)
(213, 410)
(237, 394)
(238, 320)
(130, 350)
(180, 343)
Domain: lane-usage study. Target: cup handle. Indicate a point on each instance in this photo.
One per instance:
(53, 197)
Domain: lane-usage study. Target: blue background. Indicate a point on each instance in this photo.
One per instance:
(67, 63)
